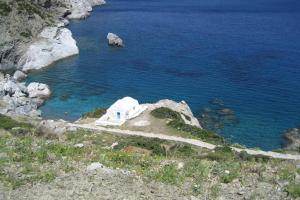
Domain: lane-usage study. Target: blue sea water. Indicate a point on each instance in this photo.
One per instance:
(246, 53)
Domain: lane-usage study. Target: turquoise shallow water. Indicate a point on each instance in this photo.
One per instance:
(245, 53)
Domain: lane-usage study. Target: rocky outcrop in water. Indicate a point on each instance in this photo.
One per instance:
(292, 136)
(114, 40)
(17, 99)
(215, 116)
(52, 44)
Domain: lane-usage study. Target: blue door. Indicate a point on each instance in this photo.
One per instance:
(118, 115)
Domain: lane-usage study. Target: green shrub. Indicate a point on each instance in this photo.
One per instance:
(182, 150)
(166, 113)
(197, 132)
(8, 123)
(168, 174)
(228, 178)
(293, 190)
(99, 112)
(5, 9)
(152, 144)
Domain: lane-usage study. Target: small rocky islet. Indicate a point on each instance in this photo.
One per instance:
(48, 159)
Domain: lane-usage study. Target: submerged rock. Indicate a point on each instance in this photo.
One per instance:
(216, 116)
(53, 44)
(114, 40)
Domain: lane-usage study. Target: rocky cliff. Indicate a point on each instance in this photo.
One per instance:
(22, 22)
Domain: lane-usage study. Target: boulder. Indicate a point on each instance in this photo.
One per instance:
(97, 2)
(114, 40)
(19, 75)
(53, 44)
(52, 128)
(38, 90)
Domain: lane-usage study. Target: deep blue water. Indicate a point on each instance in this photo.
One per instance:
(246, 53)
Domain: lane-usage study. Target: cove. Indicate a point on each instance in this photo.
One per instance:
(246, 54)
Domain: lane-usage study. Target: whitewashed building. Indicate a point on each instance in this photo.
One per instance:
(122, 110)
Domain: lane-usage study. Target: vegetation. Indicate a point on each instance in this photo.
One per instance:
(99, 112)
(29, 8)
(293, 190)
(8, 123)
(176, 122)
(28, 158)
(5, 9)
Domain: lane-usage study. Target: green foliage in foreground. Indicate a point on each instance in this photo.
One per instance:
(40, 160)
(99, 112)
(8, 123)
(178, 123)
(293, 190)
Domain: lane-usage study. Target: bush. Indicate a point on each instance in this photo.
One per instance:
(99, 112)
(8, 123)
(152, 144)
(198, 132)
(166, 113)
(5, 9)
(293, 190)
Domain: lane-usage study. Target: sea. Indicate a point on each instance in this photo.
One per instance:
(235, 62)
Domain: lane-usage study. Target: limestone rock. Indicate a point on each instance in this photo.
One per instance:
(94, 166)
(53, 44)
(181, 107)
(114, 40)
(19, 75)
(38, 90)
(52, 128)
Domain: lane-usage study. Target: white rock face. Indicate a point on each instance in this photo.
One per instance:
(97, 2)
(53, 44)
(81, 9)
(38, 90)
(19, 75)
(114, 40)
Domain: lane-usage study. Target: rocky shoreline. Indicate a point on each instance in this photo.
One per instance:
(33, 36)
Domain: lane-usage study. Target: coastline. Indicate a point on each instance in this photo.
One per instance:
(52, 43)
(50, 37)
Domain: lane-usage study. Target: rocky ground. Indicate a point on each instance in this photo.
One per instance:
(79, 164)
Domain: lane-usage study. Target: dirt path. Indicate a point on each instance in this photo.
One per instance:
(194, 142)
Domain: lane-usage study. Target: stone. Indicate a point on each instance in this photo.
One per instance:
(38, 90)
(113, 145)
(52, 128)
(79, 145)
(19, 75)
(53, 44)
(114, 40)
(94, 166)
